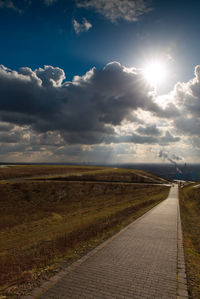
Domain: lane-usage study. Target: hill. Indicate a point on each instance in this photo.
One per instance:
(45, 221)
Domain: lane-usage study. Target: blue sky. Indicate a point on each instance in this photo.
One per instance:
(43, 34)
(75, 36)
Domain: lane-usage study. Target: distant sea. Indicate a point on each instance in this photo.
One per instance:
(187, 172)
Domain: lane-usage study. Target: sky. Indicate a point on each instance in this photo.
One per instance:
(99, 81)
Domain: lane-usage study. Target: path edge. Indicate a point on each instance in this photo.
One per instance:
(182, 288)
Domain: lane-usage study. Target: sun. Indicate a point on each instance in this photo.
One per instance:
(155, 73)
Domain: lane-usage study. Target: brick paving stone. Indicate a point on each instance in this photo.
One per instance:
(139, 262)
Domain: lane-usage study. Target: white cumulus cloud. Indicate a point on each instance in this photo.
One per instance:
(10, 5)
(49, 2)
(84, 26)
(114, 10)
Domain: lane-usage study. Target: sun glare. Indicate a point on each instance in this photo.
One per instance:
(155, 73)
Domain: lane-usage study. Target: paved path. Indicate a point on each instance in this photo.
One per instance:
(139, 262)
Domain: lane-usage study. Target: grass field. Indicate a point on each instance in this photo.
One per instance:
(83, 173)
(43, 223)
(190, 215)
(17, 171)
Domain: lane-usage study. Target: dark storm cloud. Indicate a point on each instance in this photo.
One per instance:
(145, 139)
(5, 127)
(188, 125)
(171, 111)
(24, 96)
(11, 148)
(84, 111)
(150, 130)
(129, 10)
(13, 137)
(168, 138)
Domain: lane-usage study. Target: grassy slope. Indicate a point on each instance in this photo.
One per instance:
(69, 172)
(31, 170)
(107, 175)
(190, 215)
(43, 222)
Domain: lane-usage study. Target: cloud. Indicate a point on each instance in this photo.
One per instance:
(129, 10)
(84, 111)
(168, 138)
(81, 27)
(187, 94)
(111, 106)
(177, 158)
(5, 127)
(136, 138)
(189, 125)
(49, 2)
(50, 76)
(41, 99)
(10, 5)
(150, 130)
(9, 138)
(187, 98)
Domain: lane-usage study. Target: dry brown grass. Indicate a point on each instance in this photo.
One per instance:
(108, 175)
(190, 215)
(32, 170)
(44, 222)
